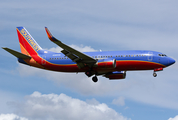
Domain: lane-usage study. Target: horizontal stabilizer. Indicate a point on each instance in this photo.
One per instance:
(16, 54)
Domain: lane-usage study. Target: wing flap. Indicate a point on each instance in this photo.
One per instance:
(74, 58)
(16, 54)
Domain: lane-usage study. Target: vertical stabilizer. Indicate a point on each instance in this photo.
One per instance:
(27, 44)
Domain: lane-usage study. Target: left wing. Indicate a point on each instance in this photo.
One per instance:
(78, 57)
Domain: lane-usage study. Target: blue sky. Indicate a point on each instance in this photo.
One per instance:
(29, 93)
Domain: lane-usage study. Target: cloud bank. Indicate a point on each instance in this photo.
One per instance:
(39, 106)
(11, 117)
(175, 118)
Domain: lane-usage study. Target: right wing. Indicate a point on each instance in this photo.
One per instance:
(16, 54)
(78, 57)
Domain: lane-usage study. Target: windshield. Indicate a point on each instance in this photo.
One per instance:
(161, 54)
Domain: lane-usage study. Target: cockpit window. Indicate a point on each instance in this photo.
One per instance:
(161, 54)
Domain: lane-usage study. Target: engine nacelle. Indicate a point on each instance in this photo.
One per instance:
(106, 63)
(116, 75)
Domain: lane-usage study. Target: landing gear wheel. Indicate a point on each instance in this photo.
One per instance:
(95, 79)
(154, 74)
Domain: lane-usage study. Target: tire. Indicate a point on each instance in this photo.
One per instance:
(154, 74)
(95, 79)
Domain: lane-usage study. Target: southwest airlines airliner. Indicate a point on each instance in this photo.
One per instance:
(110, 64)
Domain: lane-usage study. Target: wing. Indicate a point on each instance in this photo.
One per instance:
(17, 54)
(78, 57)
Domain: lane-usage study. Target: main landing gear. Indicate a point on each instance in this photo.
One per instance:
(89, 74)
(95, 79)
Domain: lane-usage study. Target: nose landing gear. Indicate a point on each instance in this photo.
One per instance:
(154, 74)
(156, 70)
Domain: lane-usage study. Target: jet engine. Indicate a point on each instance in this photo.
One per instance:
(116, 75)
(106, 63)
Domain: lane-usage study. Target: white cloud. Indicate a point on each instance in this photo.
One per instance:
(11, 117)
(79, 48)
(83, 48)
(175, 118)
(39, 106)
(119, 101)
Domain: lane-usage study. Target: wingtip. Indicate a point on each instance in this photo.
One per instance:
(4, 48)
(50, 36)
(48, 33)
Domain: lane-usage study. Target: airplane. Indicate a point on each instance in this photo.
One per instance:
(109, 64)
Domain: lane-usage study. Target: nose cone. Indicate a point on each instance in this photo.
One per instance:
(171, 61)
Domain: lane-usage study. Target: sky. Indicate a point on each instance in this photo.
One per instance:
(28, 93)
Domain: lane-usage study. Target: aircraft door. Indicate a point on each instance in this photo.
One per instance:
(150, 56)
(43, 60)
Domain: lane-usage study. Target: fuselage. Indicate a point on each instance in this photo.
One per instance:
(125, 60)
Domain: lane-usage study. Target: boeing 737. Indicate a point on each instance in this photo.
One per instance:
(109, 64)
